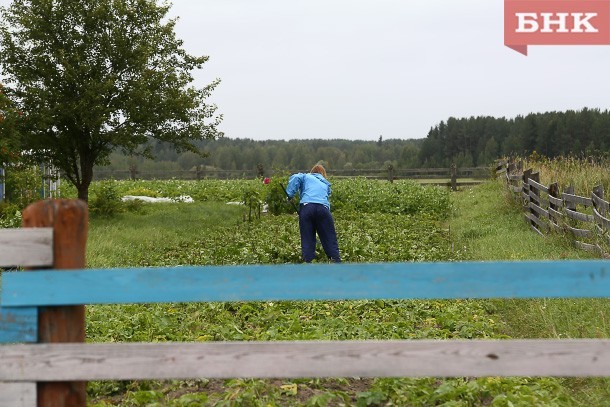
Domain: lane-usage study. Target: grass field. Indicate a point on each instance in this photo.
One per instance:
(476, 223)
(376, 222)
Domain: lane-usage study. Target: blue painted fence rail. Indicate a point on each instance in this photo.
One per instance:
(18, 324)
(527, 279)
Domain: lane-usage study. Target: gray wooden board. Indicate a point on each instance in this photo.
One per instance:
(26, 247)
(579, 232)
(555, 214)
(601, 220)
(600, 203)
(586, 246)
(18, 394)
(539, 210)
(579, 200)
(556, 201)
(536, 220)
(418, 358)
(537, 198)
(538, 186)
(583, 217)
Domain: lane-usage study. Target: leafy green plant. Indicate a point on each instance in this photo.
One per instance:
(252, 201)
(106, 200)
(10, 215)
(276, 198)
(209, 233)
(22, 184)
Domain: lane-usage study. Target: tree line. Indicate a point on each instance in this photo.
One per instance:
(476, 141)
(253, 155)
(464, 142)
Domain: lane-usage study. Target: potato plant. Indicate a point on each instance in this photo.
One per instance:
(376, 222)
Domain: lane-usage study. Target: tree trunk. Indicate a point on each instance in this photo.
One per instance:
(86, 169)
(83, 192)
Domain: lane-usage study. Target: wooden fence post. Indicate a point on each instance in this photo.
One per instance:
(69, 220)
(525, 198)
(133, 172)
(554, 208)
(453, 177)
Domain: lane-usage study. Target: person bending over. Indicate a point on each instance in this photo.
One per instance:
(314, 213)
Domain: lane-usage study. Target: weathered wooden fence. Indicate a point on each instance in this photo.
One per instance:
(45, 361)
(585, 218)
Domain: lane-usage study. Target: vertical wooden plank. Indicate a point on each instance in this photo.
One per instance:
(569, 204)
(453, 177)
(554, 192)
(69, 220)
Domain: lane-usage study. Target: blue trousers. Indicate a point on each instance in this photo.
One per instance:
(316, 218)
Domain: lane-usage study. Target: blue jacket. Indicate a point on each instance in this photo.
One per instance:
(312, 188)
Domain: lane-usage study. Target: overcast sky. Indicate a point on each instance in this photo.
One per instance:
(358, 69)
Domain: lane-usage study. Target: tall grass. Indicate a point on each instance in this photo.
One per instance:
(489, 225)
(581, 173)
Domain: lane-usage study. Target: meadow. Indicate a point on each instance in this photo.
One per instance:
(376, 221)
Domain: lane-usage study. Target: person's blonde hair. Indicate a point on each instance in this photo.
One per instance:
(318, 169)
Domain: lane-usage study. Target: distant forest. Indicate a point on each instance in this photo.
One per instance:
(465, 142)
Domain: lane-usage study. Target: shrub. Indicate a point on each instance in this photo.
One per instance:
(106, 200)
(275, 196)
(10, 215)
(22, 185)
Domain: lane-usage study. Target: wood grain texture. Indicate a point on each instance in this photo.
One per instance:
(538, 186)
(126, 361)
(538, 210)
(31, 247)
(601, 220)
(600, 203)
(69, 220)
(582, 217)
(539, 223)
(18, 325)
(584, 233)
(558, 202)
(439, 280)
(587, 246)
(14, 394)
(576, 199)
(555, 214)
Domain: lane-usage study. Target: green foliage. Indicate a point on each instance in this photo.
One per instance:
(275, 196)
(118, 77)
(479, 140)
(403, 197)
(141, 191)
(583, 173)
(10, 215)
(10, 120)
(22, 184)
(252, 201)
(106, 200)
(209, 233)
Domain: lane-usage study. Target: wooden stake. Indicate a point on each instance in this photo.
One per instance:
(69, 220)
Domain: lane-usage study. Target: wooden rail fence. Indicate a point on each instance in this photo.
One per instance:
(546, 208)
(44, 362)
